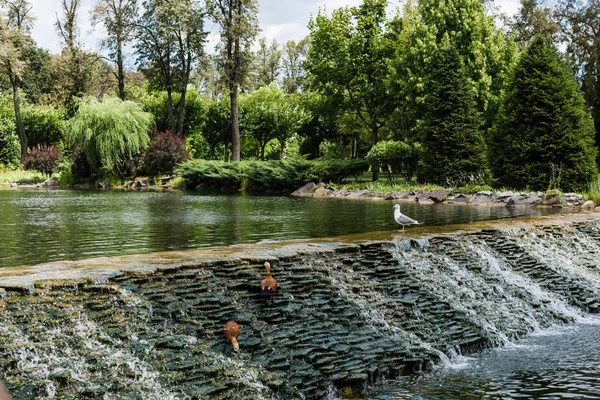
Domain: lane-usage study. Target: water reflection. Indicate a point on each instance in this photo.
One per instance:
(561, 363)
(44, 225)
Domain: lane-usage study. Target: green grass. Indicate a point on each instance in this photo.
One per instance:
(21, 176)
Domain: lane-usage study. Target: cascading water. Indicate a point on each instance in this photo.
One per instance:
(346, 317)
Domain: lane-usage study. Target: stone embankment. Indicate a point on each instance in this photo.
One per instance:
(346, 314)
(484, 198)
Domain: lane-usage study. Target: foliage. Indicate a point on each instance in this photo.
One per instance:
(531, 19)
(580, 27)
(9, 141)
(276, 176)
(348, 60)
(294, 55)
(239, 26)
(20, 176)
(156, 103)
(269, 114)
(217, 128)
(111, 132)
(164, 153)
(42, 158)
(170, 43)
(453, 148)
(394, 157)
(43, 124)
(543, 121)
(485, 54)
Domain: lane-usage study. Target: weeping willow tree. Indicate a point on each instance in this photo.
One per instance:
(110, 132)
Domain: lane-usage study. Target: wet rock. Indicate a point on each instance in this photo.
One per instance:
(304, 190)
(50, 182)
(588, 205)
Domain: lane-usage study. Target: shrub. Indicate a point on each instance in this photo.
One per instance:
(164, 153)
(274, 176)
(42, 158)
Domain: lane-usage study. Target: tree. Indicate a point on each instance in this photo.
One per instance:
(217, 128)
(13, 42)
(270, 114)
(267, 62)
(294, 55)
(170, 43)
(485, 54)
(531, 19)
(580, 28)
(348, 60)
(319, 124)
(118, 17)
(111, 132)
(79, 63)
(453, 148)
(239, 26)
(543, 125)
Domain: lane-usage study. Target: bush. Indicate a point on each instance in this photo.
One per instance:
(43, 124)
(394, 158)
(164, 153)
(274, 176)
(42, 158)
(10, 148)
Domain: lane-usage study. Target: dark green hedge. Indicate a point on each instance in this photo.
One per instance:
(273, 176)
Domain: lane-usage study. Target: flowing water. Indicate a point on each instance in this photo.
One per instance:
(482, 315)
(557, 363)
(38, 226)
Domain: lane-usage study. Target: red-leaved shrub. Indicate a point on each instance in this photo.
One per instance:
(163, 154)
(42, 158)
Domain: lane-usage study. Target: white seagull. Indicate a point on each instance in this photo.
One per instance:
(403, 219)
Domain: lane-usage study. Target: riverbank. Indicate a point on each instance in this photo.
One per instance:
(552, 198)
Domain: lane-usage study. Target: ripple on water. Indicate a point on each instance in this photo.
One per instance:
(558, 363)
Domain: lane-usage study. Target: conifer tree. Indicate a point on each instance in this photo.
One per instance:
(453, 148)
(544, 135)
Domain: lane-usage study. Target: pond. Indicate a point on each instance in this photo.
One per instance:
(39, 225)
(559, 363)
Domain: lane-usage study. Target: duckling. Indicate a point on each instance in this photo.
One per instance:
(268, 286)
(232, 331)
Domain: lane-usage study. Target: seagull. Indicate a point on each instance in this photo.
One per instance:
(403, 219)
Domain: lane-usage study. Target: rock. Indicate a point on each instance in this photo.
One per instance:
(459, 198)
(304, 190)
(51, 182)
(504, 195)
(141, 184)
(483, 197)
(588, 205)
(322, 192)
(533, 199)
(203, 187)
(104, 185)
(83, 186)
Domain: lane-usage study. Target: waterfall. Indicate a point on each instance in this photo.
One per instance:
(346, 316)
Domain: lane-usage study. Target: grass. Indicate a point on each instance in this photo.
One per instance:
(21, 176)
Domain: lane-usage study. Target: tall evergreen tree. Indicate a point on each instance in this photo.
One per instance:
(543, 127)
(453, 148)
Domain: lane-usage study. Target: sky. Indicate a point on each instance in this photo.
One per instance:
(282, 20)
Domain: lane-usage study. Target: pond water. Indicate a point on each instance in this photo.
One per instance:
(560, 363)
(38, 225)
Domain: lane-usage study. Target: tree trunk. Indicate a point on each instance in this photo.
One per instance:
(374, 167)
(181, 117)
(120, 71)
(235, 127)
(235, 123)
(282, 150)
(170, 109)
(20, 129)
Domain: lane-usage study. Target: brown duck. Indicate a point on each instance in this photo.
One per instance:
(268, 286)
(232, 331)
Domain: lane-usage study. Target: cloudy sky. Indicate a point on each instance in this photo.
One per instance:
(279, 19)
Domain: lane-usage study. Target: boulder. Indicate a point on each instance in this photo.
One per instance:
(588, 205)
(104, 185)
(459, 198)
(322, 192)
(51, 182)
(141, 184)
(533, 199)
(304, 190)
(483, 197)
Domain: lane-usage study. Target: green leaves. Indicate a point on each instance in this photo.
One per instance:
(110, 132)
(543, 121)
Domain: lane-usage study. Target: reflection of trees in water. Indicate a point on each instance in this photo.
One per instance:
(38, 226)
